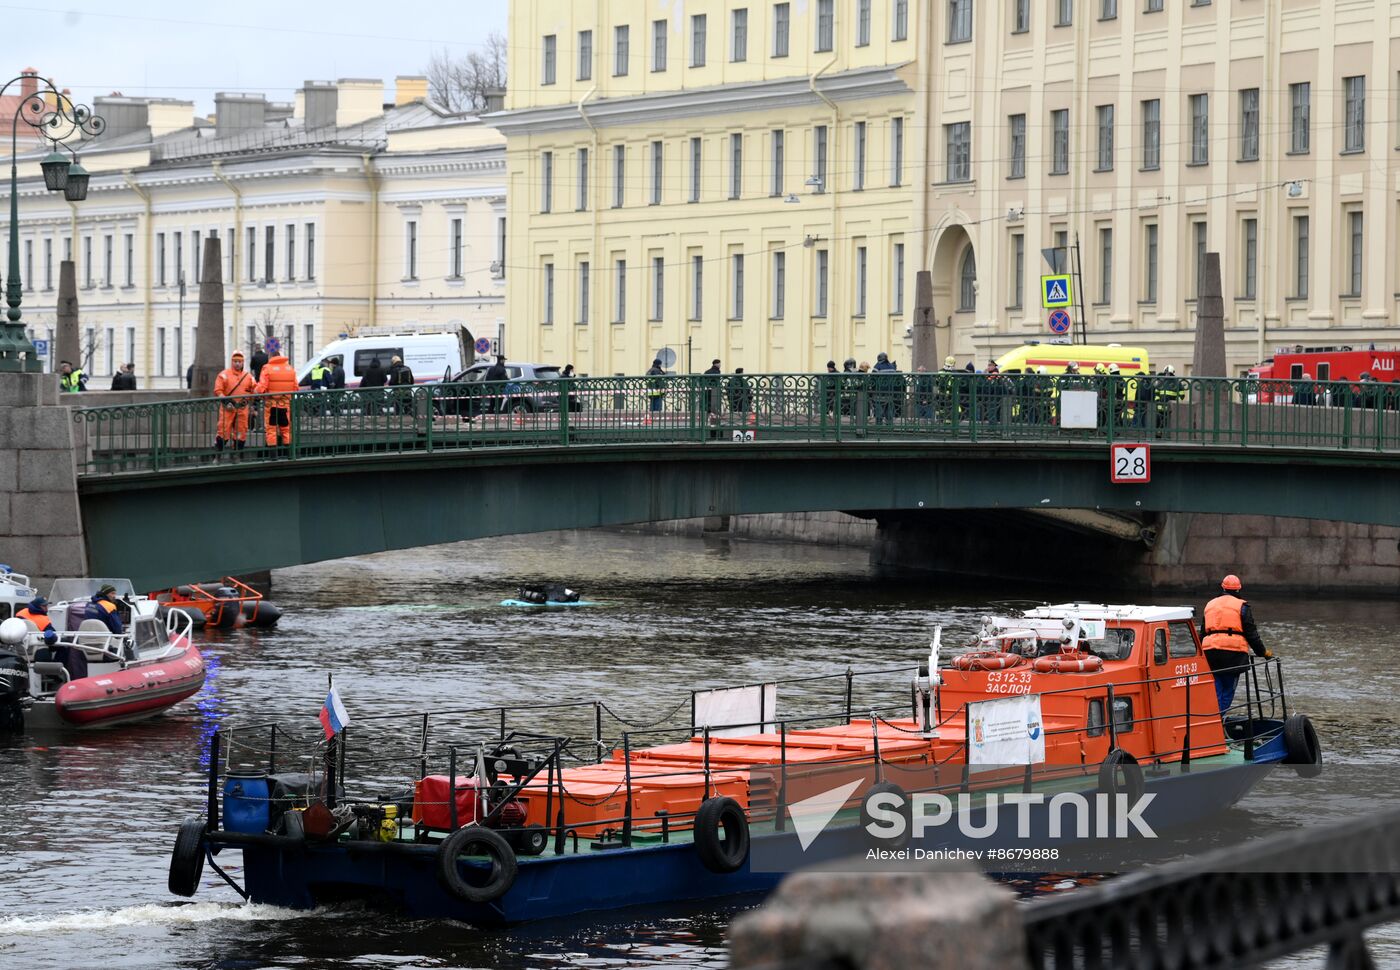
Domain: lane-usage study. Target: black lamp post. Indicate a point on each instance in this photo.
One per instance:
(54, 115)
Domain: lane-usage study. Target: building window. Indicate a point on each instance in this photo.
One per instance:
(901, 20)
(1022, 17)
(862, 23)
(1354, 227)
(697, 287)
(776, 185)
(1152, 135)
(826, 24)
(736, 165)
(585, 55)
(1105, 121)
(130, 345)
(739, 35)
(1064, 13)
(695, 152)
(1250, 259)
(251, 256)
(1018, 270)
(620, 294)
(454, 268)
(1017, 124)
(582, 203)
(179, 266)
(583, 291)
(1105, 265)
(898, 281)
(622, 53)
(410, 249)
(548, 294)
(107, 254)
(958, 139)
(1300, 257)
(1149, 291)
(550, 50)
(896, 151)
(546, 181)
(782, 22)
(657, 160)
(309, 339)
(1059, 128)
(1153, 6)
(959, 21)
(87, 262)
(48, 262)
(779, 284)
(819, 135)
(1198, 257)
(736, 301)
(195, 253)
(858, 176)
(160, 259)
(1200, 129)
(658, 288)
(619, 175)
(1249, 124)
(697, 40)
(1108, 10)
(862, 280)
(310, 250)
(1300, 96)
(1355, 90)
(160, 351)
(823, 283)
(658, 45)
(967, 282)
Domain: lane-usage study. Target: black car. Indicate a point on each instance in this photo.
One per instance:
(528, 388)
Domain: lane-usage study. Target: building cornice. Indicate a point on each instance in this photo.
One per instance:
(861, 84)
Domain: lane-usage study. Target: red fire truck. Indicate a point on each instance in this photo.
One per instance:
(1342, 363)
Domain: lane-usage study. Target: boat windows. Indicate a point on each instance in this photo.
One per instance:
(1159, 646)
(1117, 644)
(148, 634)
(1122, 714)
(383, 354)
(1096, 723)
(1182, 643)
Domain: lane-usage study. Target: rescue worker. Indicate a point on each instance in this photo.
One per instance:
(72, 657)
(37, 612)
(401, 376)
(1229, 635)
(233, 384)
(656, 388)
(103, 606)
(887, 390)
(316, 377)
(72, 378)
(1118, 395)
(1167, 390)
(279, 380)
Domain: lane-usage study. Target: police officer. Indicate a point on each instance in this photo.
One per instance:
(72, 378)
(656, 389)
(1230, 634)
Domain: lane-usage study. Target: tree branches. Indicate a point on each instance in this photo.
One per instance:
(461, 83)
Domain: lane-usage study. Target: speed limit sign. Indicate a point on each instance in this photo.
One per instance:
(1130, 463)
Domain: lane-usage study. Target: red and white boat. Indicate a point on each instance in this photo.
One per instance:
(130, 676)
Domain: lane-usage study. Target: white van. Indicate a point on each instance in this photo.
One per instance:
(431, 356)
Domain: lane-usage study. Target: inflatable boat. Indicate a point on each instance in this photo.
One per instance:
(224, 605)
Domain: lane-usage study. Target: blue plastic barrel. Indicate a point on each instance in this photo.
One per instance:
(246, 803)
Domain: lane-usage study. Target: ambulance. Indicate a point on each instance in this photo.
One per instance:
(1131, 361)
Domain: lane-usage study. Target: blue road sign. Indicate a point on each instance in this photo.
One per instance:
(1055, 291)
(41, 347)
(1059, 321)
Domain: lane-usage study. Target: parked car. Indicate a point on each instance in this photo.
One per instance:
(527, 389)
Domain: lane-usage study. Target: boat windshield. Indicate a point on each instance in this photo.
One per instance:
(149, 634)
(1117, 644)
(69, 590)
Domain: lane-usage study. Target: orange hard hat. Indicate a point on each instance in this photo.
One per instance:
(1230, 582)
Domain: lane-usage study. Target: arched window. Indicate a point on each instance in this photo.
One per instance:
(967, 282)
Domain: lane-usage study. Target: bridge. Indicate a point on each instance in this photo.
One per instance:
(371, 470)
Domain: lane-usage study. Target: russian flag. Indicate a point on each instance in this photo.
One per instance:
(334, 718)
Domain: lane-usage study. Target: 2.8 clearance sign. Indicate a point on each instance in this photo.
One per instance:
(1130, 464)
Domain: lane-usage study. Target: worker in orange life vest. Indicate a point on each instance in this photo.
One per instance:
(280, 380)
(1230, 634)
(233, 383)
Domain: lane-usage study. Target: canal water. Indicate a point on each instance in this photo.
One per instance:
(86, 821)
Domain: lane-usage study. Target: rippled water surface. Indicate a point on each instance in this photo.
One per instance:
(86, 820)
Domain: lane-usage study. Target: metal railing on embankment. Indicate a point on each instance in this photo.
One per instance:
(1337, 417)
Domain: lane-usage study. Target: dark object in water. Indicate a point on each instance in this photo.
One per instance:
(547, 593)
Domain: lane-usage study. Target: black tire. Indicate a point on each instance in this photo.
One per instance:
(187, 858)
(1304, 751)
(293, 826)
(727, 853)
(520, 406)
(1133, 783)
(531, 840)
(866, 819)
(475, 840)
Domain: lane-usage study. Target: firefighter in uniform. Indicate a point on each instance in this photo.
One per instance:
(233, 383)
(278, 379)
(1167, 390)
(1230, 634)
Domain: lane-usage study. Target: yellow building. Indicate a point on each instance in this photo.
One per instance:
(1155, 131)
(336, 213)
(730, 179)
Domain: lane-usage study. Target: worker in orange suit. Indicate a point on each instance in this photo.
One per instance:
(233, 384)
(280, 381)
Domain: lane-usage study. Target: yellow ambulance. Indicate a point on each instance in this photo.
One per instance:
(1131, 361)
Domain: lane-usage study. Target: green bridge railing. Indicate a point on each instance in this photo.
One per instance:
(735, 409)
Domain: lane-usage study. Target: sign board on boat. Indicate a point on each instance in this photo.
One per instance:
(1006, 731)
(734, 711)
(1130, 463)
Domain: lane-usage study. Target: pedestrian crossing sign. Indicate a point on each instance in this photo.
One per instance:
(1055, 292)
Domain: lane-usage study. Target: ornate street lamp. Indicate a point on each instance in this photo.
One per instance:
(57, 119)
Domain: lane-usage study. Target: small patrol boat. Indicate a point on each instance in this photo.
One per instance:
(224, 605)
(509, 814)
(130, 676)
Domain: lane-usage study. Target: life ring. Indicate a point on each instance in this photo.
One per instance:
(1067, 663)
(187, 858)
(1133, 785)
(987, 660)
(1303, 749)
(473, 840)
(906, 809)
(726, 853)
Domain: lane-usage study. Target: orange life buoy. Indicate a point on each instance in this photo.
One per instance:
(987, 660)
(1066, 663)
